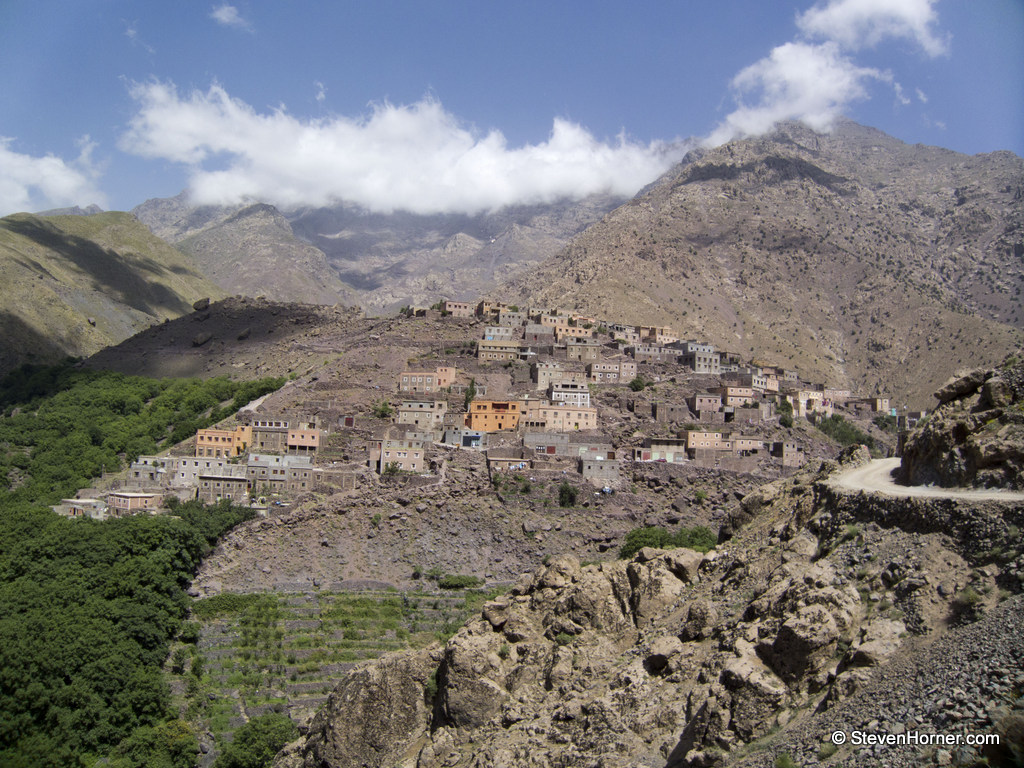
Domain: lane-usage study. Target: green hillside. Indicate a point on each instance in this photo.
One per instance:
(72, 285)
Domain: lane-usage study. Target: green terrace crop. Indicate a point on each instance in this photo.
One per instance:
(261, 653)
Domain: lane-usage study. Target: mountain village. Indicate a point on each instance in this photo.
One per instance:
(578, 398)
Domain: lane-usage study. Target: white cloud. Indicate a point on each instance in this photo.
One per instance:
(229, 16)
(417, 157)
(815, 82)
(797, 81)
(857, 24)
(29, 183)
(921, 96)
(321, 91)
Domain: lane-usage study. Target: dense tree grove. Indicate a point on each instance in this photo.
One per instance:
(62, 426)
(88, 608)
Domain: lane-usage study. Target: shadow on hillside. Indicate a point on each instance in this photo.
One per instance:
(111, 273)
(21, 343)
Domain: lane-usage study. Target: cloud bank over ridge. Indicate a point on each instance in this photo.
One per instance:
(417, 157)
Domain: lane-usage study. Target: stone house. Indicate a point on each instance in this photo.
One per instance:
(668, 449)
(303, 441)
(460, 309)
(406, 455)
(211, 488)
(585, 350)
(511, 317)
(542, 415)
(498, 351)
(541, 335)
(499, 333)
(270, 435)
(428, 414)
(280, 474)
(95, 509)
(570, 393)
(651, 353)
(791, 454)
(736, 395)
(465, 438)
(599, 471)
(612, 372)
(426, 381)
(120, 503)
(710, 402)
(670, 412)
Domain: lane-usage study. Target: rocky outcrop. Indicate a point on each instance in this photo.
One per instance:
(374, 717)
(678, 658)
(975, 437)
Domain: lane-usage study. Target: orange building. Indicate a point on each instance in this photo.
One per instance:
(223, 443)
(493, 415)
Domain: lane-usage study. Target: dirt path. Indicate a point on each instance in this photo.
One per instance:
(876, 477)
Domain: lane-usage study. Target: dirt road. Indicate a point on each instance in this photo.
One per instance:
(876, 477)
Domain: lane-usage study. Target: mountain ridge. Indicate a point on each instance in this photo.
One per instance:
(851, 256)
(73, 285)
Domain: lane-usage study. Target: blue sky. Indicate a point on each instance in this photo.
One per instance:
(461, 106)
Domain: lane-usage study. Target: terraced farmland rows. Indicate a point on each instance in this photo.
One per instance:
(264, 652)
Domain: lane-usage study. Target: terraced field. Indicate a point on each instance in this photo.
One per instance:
(257, 653)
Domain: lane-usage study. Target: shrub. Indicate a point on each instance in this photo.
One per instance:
(566, 495)
(699, 538)
(786, 420)
(257, 742)
(459, 581)
(638, 383)
(382, 410)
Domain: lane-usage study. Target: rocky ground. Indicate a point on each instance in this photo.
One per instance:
(824, 612)
(975, 436)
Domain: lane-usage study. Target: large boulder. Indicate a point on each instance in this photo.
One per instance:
(374, 718)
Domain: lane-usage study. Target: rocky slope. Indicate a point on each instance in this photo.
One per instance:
(349, 255)
(824, 608)
(975, 436)
(72, 285)
(851, 256)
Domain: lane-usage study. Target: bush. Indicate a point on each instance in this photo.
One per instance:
(786, 420)
(566, 495)
(699, 538)
(459, 581)
(843, 432)
(257, 742)
(382, 410)
(639, 383)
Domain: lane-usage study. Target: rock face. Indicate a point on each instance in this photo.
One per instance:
(372, 718)
(678, 658)
(976, 435)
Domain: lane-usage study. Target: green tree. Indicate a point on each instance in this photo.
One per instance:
(255, 743)
(168, 745)
(470, 394)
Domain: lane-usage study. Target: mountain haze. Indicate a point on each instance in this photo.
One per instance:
(349, 255)
(72, 285)
(856, 258)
